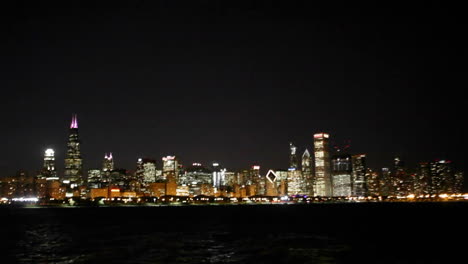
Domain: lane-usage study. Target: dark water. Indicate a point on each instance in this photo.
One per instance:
(316, 233)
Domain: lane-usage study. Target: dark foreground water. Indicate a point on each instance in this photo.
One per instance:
(316, 233)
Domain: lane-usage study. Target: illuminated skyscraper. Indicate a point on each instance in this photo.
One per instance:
(73, 174)
(458, 185)
(170, 168)
(372, 182)
(402, 183)
(95, 178)
(48, 169)
(386, 182)
(322, 184)
(358, 183)
(149, 168)
(442, 177)
(341, 174)
(219, 177)
(307, 173)
(293, 164)
(108, 163)
(422, 181)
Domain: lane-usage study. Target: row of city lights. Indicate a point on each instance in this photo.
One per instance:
(246, 199)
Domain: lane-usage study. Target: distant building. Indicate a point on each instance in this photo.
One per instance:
(170, 168)
(322, 184)
(271, 188)
(295, 182)
(108, 163)
(307, 173)
(73, 174)
(95, 179)
(341, 174)
(48, 170)
(358, 183)
(423, 179)
(442, 177)
(293, 164)
(219, 175)
(372, 183)
(149, 171)
(386, 182)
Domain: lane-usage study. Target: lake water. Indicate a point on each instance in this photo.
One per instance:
(311, 233)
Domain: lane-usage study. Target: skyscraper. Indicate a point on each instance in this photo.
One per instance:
(48, 169)
(422, 181)
(307, 173)
(442, 177)
(170, 168)
(108, 163)
(358, 184)
(322, 185)
(293, 164)
(341, 174)
(73, 174)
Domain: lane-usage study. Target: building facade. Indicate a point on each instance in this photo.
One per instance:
(322, 184)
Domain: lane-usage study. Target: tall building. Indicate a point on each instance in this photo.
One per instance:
(48, 170)
(170, 168)
(108, 163)
(95, 178)
(402, 180)
(422, 180)
(442, 177)
(358, 184)
(372, 183)
(73, 174)
(322, 184)
(293, 164)
(458, 185)
(219, 176)
(386, 182)
(307, 173)
(341, 174)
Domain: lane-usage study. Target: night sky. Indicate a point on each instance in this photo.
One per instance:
(231, 81)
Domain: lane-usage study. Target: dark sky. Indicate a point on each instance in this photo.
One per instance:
(232, 81)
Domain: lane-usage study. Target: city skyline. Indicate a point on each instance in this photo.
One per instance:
(73, 125)
(235, 84)
(330, 171)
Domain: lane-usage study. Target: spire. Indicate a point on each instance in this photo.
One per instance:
(105, 156)
(74, 122)
(110, 156)
(306, 153)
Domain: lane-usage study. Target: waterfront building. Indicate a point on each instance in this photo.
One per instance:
(322, 184)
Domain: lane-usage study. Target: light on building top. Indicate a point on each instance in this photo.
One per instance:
(49, 152)
(321, 135)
